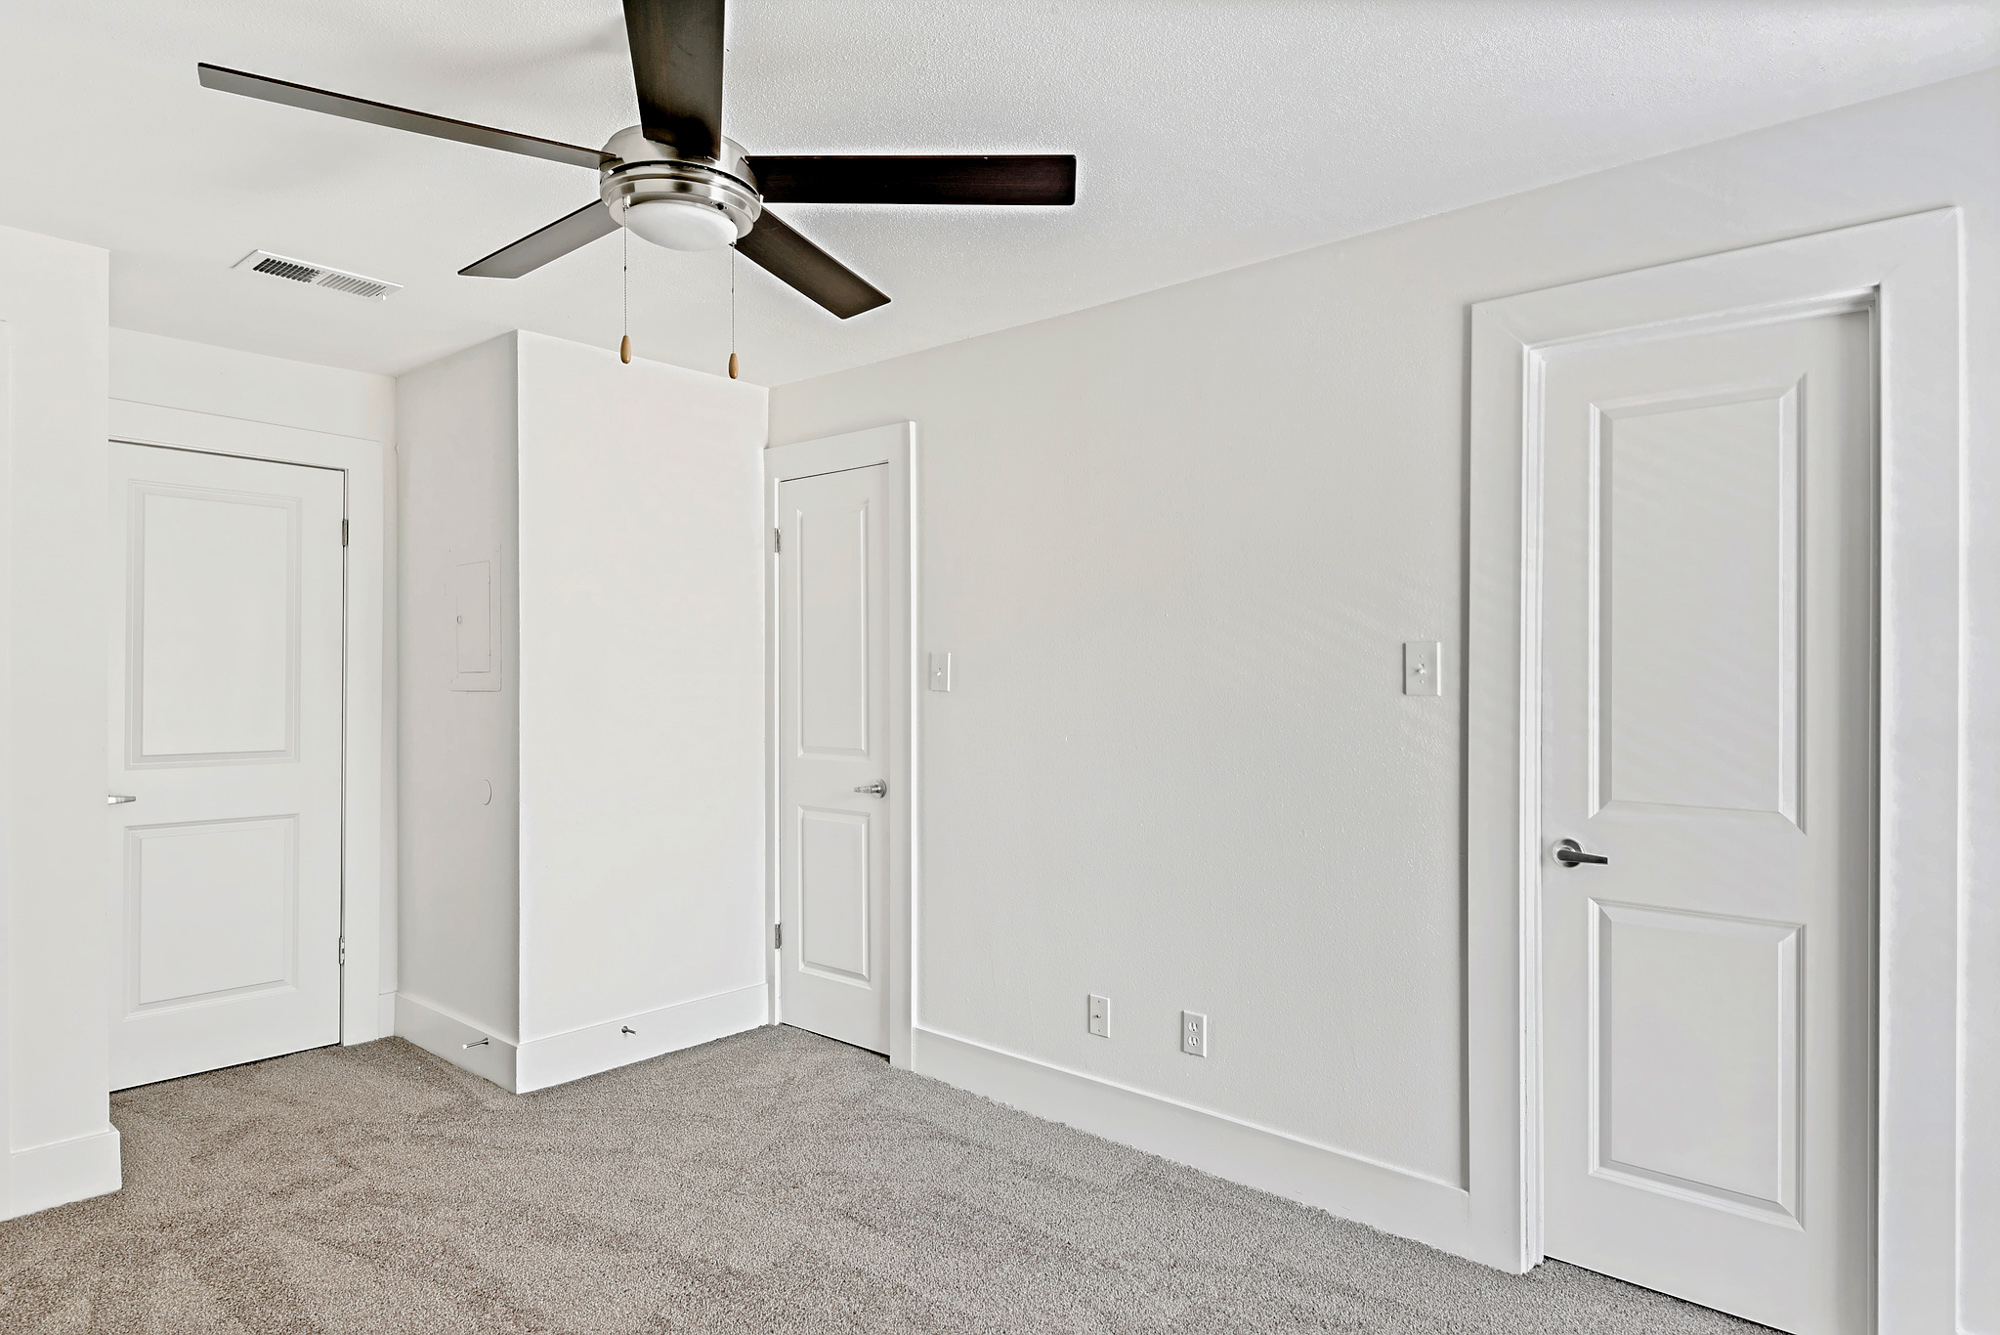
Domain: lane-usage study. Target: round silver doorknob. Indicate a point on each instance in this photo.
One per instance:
(1570, 853)
(875, 789)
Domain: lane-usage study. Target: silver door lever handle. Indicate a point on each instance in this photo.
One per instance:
(1570, 853)
(875, 789)
(113, 799)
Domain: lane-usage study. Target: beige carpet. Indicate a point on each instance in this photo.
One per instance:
(774, 1181)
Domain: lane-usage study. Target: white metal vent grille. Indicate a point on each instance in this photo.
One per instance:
(316, 275)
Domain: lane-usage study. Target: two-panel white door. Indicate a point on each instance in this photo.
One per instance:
(1707, 673)
(226, 733)
(833, 754)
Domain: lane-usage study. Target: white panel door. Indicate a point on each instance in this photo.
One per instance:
(833, 743)
(1707, 673)
(226, 731)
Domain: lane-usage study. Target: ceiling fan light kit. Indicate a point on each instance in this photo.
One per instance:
(674, 180)
(678, 224)
(676, 203)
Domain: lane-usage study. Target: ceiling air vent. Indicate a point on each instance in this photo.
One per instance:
(316, 275)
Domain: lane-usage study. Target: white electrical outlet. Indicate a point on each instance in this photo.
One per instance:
(1100, 1016)
(940, 677)
(1194, 1033)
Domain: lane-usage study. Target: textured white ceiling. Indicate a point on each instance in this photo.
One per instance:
(1210, 133)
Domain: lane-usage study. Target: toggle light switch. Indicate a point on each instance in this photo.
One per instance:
(1422, 673)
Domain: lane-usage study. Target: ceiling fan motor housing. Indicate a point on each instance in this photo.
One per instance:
(649, 171)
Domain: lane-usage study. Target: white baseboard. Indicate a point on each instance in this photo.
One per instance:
(444, 1033)
(385, 1014)
(1380, 1195)
(68, 1170)
(561, 1058)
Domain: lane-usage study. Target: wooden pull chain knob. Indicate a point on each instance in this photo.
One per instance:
(732, 366)
(625, 349)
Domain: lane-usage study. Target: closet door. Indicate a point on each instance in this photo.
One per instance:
(833, 764)
(225, 764)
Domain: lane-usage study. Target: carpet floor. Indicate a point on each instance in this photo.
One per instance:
(774, 1181)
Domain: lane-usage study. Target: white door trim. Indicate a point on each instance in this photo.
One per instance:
(1907, 269)
(896, 445)
(367, 887)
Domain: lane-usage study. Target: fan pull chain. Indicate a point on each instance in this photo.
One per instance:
(625, 292)
(732, 310)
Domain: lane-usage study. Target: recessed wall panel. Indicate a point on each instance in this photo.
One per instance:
(1696, 621)
(472, 620)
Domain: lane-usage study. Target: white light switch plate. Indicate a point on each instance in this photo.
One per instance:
(940, 677)
(1423, 670)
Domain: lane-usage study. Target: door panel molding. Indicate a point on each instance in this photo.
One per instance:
(821, 951)
(895, 445)
(1774, 1199)
(1631, 463)
(139, 542)
(368, 783)
(1907, 272)
(139, 980)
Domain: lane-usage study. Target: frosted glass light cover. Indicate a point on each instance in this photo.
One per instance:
(680, 224)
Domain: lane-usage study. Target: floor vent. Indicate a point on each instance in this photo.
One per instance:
(316, 275)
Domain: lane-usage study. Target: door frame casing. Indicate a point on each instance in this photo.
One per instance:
(894, 444)
(367, 779)
(1906, 270)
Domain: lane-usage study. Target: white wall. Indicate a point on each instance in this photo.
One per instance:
(1174, 545)
(460, 937)
(223, 382)
(615, 881)
(54, 856)
(198, 377)
(642, 687)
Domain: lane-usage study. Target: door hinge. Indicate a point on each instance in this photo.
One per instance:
(343, 532)
(777, 540)
(343, 952)
(777, 936)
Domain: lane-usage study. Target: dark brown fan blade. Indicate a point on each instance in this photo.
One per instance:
(792, 259)
(396, 118)
(1033, 179)
(553, 242)
(677, 65)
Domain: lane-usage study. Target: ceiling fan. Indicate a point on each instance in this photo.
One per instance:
(676, 181)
